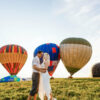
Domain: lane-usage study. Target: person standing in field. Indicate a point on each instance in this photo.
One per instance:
(45, 91)
(44, 84)
(36, 75)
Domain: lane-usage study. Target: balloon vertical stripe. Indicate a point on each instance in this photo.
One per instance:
(9, 48)
(15, 49)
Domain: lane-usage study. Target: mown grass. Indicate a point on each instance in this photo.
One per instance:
(62, 89)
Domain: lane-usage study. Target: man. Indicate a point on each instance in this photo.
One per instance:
(35, 76)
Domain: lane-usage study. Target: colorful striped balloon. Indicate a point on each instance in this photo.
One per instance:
(13, 57)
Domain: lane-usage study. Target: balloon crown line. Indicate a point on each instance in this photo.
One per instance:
(76, 41)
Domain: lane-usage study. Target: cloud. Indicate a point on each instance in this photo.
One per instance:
(75, 7)
(83, 10)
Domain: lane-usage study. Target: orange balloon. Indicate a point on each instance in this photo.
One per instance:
(13, 57)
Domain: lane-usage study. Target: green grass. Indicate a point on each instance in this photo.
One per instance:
(63, 89)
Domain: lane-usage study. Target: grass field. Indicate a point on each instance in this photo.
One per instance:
(63, 89)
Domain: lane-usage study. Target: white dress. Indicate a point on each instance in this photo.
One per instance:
(44, 84)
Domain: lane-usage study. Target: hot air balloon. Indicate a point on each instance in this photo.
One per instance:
(12, 78)
(13, 57)
(96, 70)
(53, 50)
(75, 53)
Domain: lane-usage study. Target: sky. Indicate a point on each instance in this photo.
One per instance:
(30, 23)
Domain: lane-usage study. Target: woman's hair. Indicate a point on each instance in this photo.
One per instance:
(46, 56)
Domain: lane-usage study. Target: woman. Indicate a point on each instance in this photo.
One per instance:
(44, 84)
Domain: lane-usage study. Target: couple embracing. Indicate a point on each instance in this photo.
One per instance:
(41, 78)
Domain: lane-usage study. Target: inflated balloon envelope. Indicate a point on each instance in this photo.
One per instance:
(53, 50)
(75, 53)
(13, 57)
(96, 70)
